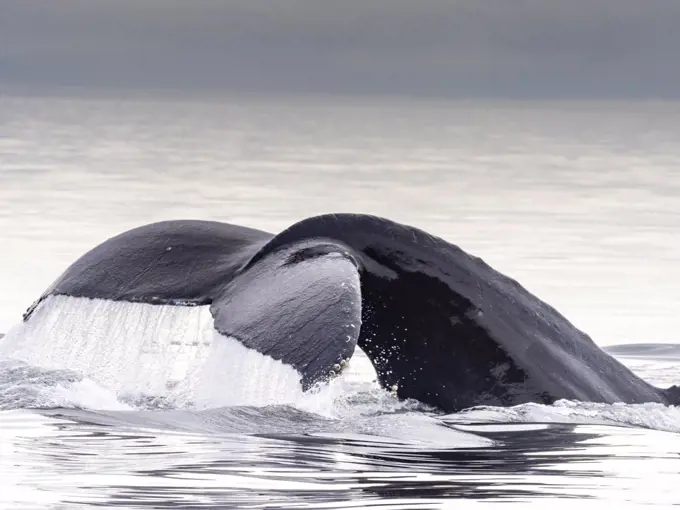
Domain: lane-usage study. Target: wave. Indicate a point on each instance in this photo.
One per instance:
(649, 415)
(23, 386)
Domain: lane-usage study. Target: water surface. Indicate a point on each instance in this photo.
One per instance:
(578, 201)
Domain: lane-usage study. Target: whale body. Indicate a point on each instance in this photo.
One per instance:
(438, 324)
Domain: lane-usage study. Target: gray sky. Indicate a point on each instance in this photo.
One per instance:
(466, 48)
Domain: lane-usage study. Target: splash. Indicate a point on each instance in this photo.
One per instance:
(104, 355)
(25, 386)
(140, 351)
(650, 415)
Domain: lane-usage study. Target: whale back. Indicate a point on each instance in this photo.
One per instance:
(445, 328)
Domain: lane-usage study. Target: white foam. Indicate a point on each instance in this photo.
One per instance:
(144, 349)
(84, 394)
(649, 415)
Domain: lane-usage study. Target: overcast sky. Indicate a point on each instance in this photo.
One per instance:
(466, 48)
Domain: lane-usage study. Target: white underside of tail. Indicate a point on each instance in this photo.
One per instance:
(145, 349)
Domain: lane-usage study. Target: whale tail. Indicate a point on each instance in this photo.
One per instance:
(439, 325)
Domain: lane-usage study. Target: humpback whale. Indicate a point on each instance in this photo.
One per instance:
(438, 324)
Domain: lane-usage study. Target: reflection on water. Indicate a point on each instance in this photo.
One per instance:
(135, 468)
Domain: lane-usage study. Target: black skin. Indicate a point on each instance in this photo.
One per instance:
(438, 324)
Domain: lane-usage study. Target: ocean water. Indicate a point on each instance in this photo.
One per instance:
(578, 201)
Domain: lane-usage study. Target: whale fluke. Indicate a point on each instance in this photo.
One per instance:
(439, 325)
(301, 305)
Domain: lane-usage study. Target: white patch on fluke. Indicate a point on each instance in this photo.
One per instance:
(138, 349)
